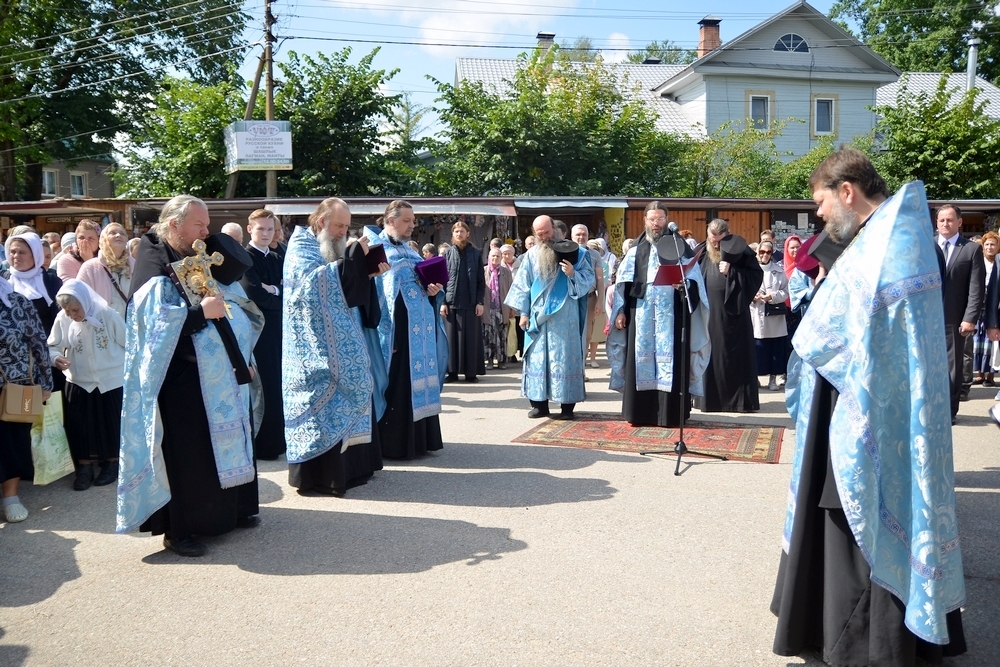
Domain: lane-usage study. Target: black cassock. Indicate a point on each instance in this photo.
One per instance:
(198, 503)
(269, 442)
(336, 470)
(731, 376)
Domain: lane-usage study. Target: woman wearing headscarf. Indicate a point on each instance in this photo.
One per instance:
(28, 277)
(496, 315)
(22, 353)
(110, 273)
(87, 343)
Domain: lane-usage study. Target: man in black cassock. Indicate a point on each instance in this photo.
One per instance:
(262, 283)
(463, 306)
(333, 442)
(732, 278)
(198, 504)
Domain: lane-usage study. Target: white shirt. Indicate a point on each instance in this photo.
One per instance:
(97, 360)
(948, 246)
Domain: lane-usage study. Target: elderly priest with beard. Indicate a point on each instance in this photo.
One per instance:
(330, 302)
(413, 344)
(550, 291)
(647, 341)
(871, 567)
(732, 278)
(187, 466)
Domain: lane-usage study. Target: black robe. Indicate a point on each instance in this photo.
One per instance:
(731, 377)
(198, 503)
(335, 471)
(465, 290)
(269, 442)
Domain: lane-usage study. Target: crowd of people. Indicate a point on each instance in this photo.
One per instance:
(334, 350)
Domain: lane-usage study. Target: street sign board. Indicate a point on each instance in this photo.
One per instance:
(258, 145)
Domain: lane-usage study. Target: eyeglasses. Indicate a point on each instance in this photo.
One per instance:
(765, 252)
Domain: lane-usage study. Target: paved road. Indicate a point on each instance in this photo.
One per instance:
(486, 553)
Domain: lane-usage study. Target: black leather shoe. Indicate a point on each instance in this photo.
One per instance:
(251, 521)
(472, 379)
(84, 477)
(537, 413)
(108, 474)
(564, 416)
(451, 378)
(185, 546)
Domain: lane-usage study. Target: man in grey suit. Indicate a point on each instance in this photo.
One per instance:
(964, 278)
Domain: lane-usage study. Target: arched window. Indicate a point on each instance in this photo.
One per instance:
(792, 43)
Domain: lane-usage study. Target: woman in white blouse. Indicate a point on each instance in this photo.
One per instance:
(88, 343)
(770, 330)
(110, 273)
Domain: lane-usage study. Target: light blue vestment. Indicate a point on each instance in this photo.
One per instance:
(875, 331)
(428, 340)
(156, 316)
(654, 332)
(325, 368)
(553, 341)
(800, 289)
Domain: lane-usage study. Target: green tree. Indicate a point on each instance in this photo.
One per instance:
(336, 110)
(944, 139)
(737, 160)
(668, 53)
(560, 130)
(924, 35)
(581, 50)
(70, 79)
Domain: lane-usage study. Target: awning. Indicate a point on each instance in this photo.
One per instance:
(549, 203)
(418, 209)
(45, 208)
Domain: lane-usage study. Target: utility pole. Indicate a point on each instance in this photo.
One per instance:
(272, 176)
(234, 178)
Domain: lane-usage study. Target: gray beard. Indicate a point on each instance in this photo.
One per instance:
(842, 223)
(714, 254)
(548, 261)
(652, 236)
(332, 249)
(395, 236)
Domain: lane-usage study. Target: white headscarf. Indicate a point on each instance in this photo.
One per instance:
(30, 283)
(5, 290)
(91, 302)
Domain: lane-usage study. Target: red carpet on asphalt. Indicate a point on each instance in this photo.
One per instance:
(760, 444)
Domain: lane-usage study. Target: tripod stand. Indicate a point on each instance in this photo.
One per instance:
(682, 375)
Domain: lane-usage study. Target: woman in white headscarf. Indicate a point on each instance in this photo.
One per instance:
(29, 278)
(88, 344)
(110, 273)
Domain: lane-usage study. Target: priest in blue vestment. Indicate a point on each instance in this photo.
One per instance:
(327, 382)
(871, 566)
(551, 295)
(413, 343)
(186, 461)
(646, 340)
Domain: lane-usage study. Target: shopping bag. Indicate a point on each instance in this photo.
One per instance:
(49, 446)
(511, 338)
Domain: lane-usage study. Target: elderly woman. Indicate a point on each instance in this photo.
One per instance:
(29, 278)
(496, 315)
(982, 359)
(22, 354)
(110, 273)
(87, 343)
(87, 239)
(429, 250)
(597, 335)
(769, 328)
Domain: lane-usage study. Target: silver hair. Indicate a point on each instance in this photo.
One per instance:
(175, 209)
(583, 227)
(718, 226)
(66, 300)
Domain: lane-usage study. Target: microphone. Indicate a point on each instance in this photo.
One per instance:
(671, 227)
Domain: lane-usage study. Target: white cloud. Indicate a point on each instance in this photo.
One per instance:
(617, 46)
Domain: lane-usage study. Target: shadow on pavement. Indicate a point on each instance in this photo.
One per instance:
(296, 542)
(482, 489)
(977, 518)
(511, 457)
(22, 581)
(12, 655)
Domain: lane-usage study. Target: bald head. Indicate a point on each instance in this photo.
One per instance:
(543, 229)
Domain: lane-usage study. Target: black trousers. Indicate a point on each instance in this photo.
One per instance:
(955, 343)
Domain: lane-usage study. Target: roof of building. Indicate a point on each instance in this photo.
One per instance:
(636, 82)
(927, 82)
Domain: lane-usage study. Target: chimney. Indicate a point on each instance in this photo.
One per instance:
(973, 64)
(708, 37)
(651, 61)
(545, 40)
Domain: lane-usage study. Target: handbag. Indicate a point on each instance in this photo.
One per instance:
(21, 403)
(49, 446)
(772, 309)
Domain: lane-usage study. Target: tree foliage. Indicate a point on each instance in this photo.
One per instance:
(924, 35)
(945, 139)
(561, 130)
(737, 160)
(668, 53)
(581, 50)
(70, 78)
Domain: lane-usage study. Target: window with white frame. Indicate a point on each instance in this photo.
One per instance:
(791, 43)
(50, 182)
(78, 183)
(760, 111)
(824, 109)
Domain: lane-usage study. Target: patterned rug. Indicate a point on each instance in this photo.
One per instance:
(760, 444)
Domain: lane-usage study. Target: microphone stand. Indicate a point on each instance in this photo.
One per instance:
(679, 447)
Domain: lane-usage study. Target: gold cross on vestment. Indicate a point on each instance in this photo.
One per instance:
(195, 275)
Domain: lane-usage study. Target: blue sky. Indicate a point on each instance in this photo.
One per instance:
(448, 29)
